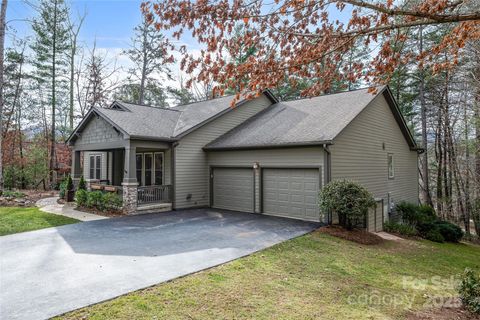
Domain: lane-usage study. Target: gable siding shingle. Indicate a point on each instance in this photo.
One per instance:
(191, 169)
(98, 130)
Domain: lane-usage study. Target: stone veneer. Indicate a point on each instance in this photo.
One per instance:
(130, 190)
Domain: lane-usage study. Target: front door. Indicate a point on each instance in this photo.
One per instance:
(149, 168)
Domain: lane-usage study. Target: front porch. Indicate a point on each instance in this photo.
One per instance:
(138, 171)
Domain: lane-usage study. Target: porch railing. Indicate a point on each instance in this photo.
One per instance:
(154, 194)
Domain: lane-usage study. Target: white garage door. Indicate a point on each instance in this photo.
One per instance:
(291, 193)
(233, 189)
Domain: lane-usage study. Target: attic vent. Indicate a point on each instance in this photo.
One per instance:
(117, 107)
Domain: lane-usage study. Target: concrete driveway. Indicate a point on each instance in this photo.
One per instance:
(49, 272)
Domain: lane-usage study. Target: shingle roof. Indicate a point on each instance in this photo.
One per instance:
(163, 123)
(196, 113)
(306, 121)
(142, 121)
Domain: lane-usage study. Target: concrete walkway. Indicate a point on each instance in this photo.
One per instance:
(388, 236)
(51, 271)
(51, 205)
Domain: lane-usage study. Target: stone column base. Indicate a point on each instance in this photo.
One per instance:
(130, 190)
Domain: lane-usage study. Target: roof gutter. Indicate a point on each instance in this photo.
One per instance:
(271, 146)
(327, 163)
(150, 138)
(327, 169)
(419, 150)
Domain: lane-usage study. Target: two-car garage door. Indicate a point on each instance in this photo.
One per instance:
(291, 193)
(233, 189)
(284, 192)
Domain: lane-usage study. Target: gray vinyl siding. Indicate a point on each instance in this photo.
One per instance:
(86, 164)
(285, 157)
(98, 130)
(191, 169)
(357, 154)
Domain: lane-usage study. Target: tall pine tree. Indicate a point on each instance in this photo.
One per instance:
(149, 54)
(50, 46)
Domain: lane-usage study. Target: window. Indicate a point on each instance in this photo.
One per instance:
(149, 168)
(158, 168)
(148, 165)
(391, 166)
(95, 166)
(139, 166)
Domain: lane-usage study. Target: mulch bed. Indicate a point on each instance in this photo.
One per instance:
(443, 314)
(108, 213)
(358, 236)
(29, 200)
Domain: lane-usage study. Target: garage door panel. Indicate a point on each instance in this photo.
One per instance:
(296, 186)
(311, 186)
(233, 189)
(291, 192)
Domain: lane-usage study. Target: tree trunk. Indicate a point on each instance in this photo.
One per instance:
(52, 164)
(3, 12)
(476, 220)
(72, 79)
(448, 166)
(426, 195)
(477, 139)
(439, 158)
(468, 205)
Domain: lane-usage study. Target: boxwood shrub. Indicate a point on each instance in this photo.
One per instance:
(425, 221)
(99, 200)
(435, 236)
(469, 290)
(449, 231)
(348, 199)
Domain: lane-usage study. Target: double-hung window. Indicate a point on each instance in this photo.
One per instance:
(95, 166)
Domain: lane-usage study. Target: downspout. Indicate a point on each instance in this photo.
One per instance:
(328, 163)
(328, 174)
(172, 173)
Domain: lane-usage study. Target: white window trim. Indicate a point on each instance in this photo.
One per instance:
(391, 174)
(153, 167)
(94, 155)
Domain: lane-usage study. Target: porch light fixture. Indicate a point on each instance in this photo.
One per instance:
(256, 165)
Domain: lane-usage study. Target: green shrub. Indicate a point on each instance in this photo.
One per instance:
(81, 197)
(414, 214)
(69, 184)
(469, 290)
(424, 228)
(449, 231)
(98, 200)
(408, 211)
(348, 199)
(426, 213)
(112, 201)
(95, 200)
(400, 228)
(435, 236)
(12, 194)
(63, 189)
(82, 184)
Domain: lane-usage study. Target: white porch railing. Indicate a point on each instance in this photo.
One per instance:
(154, 194)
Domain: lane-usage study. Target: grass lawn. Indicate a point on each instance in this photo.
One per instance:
(16, 219)
(311, 277)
